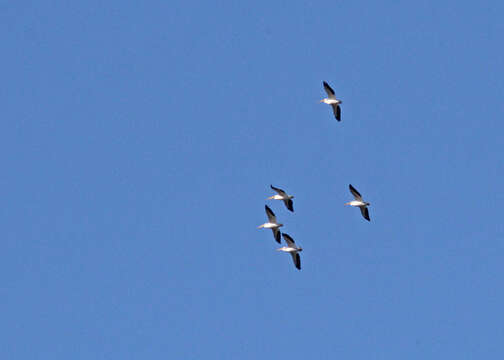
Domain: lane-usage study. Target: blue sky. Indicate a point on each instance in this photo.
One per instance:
(138, 143)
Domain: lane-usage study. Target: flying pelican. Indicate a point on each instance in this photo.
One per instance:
(272, 224)
(359, 202)
(293, 249)
(287, 199)
(331, 100)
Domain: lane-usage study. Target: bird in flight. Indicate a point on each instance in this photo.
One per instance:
(272, 224)
(282, 195)
(359, 202)
(293, 249)
(331, 100)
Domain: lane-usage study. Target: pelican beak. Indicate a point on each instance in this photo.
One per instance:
(271, 197)
(260, 226)
(347, 203)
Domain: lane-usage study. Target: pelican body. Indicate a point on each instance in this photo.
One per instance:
(272, 224)
(358, 202)
(282, 195)
(292, 249)
(331, 100)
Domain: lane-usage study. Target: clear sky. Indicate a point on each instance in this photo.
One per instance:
(138, 143)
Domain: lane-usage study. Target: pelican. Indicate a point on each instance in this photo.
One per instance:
(359, 202)
(287, 199)
(272, 224)
(331, 100)
(293, 249)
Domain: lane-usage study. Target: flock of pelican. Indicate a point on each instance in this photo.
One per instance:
(275, 226)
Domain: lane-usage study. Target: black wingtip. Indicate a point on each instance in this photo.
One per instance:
(366, 214)
(287, 237)
(328, 88)
(268, 210)
(278, 240)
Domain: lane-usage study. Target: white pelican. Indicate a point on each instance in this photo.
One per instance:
(287, 199)
(272, 224)
(293, 249)
(331, 100)
(359, 202)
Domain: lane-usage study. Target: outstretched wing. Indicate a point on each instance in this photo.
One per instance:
(297, 259)
(365, 212)
(355, 193)
(279, 191)
(288, 203)
(329, 91)
(276, 234)
(337, 111)
(290, 241)
(271, 214)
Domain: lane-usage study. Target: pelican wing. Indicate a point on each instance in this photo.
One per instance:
(355, 193)
(288, 203)
(337, 111)
(276, 235)
(297, 259)
(365, 212)
(271, 215)
(329, 91)
(290, 241)
(279, 191)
